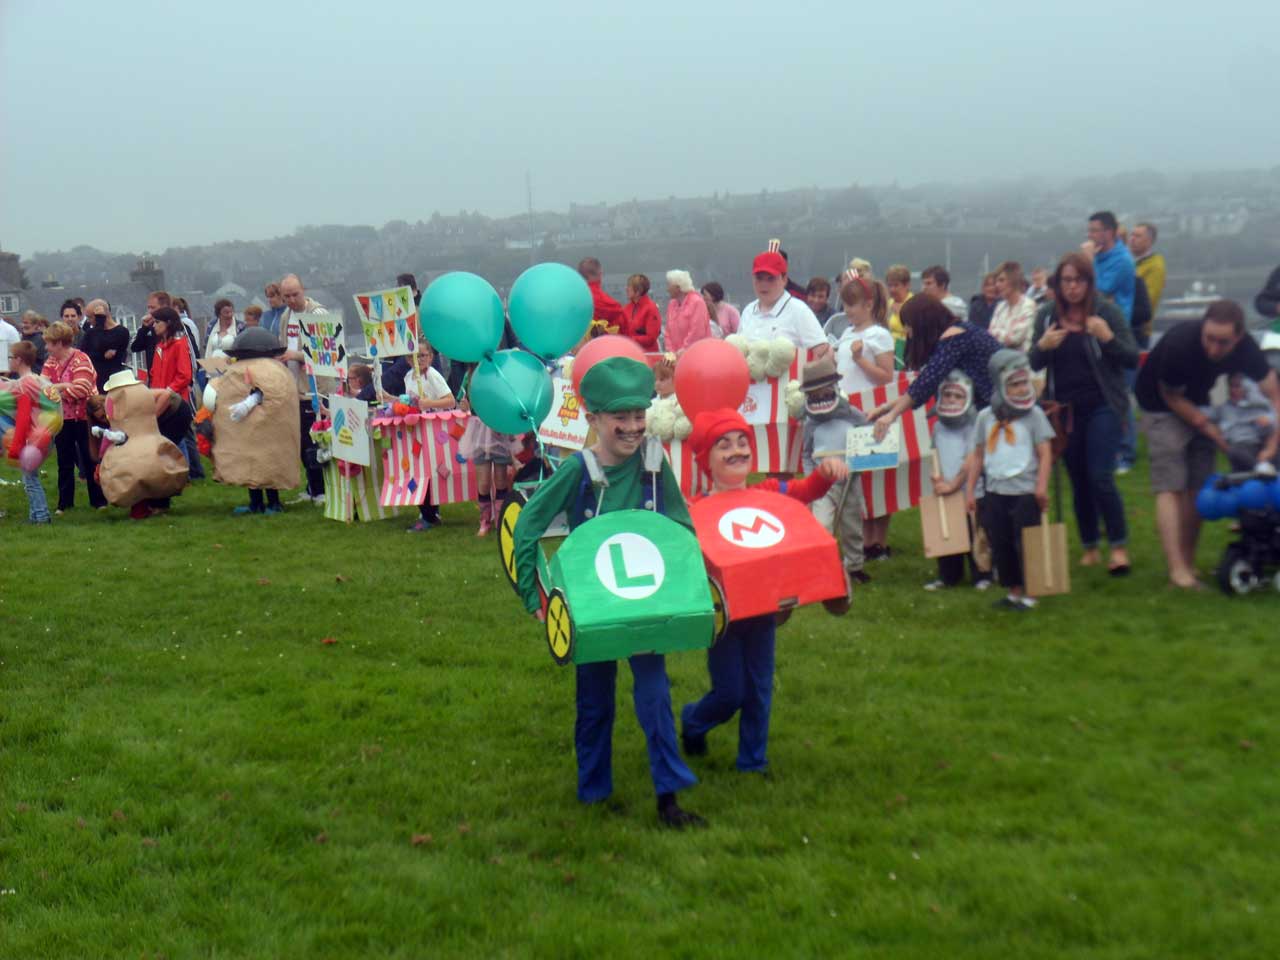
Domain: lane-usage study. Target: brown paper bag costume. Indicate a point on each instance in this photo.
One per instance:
(263, 450)
(147, 465)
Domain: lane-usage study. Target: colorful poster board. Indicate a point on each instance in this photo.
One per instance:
(350, 432)
(388, 321)
(566, 425)
(866, 453)
(323, 345)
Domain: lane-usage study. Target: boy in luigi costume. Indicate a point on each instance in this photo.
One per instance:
(613, 475)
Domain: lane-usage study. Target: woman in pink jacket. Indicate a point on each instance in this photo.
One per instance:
(687, 318)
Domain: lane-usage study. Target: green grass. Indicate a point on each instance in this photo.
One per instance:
(188, 770)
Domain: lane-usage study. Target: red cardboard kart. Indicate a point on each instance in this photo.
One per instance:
(765, 553)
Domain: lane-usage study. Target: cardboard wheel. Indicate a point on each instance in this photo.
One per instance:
(559, 628)
(721, 608)
(507, 534)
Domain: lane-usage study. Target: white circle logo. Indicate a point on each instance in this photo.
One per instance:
(630, 566)
(752, 528)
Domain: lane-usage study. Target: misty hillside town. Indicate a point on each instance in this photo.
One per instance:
(682, 480)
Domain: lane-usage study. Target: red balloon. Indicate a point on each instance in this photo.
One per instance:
(602, 348)
(711, 375)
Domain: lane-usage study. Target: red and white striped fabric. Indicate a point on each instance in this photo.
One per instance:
(778, 441)
(888, 491)
(452, 481)
(680, 456)
(421, 447)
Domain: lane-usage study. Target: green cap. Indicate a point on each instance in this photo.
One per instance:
(615, 384)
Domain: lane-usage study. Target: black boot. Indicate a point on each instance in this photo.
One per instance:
(673, 815)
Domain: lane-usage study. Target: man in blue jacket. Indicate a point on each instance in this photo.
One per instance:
(1115, 275)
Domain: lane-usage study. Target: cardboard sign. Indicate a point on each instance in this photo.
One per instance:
(865, 453)
(389, 322)
(944, 524)
(566, 425)
(1044, 559)
(322, 344)
(349, 436)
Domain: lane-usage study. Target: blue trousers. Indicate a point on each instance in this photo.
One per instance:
(37, 502)
(593, 730)
(1090, 459)
(741, 668)
(1127, 454)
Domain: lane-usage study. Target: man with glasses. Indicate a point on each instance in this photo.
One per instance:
(1173, 390)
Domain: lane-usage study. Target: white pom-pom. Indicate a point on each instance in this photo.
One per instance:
(758, 359)
(781, 353)
(794, 398)
(739, 341)
(683, 427)
(660, 421)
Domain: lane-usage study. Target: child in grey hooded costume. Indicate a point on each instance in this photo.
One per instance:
(828, 417)
(1245, 420)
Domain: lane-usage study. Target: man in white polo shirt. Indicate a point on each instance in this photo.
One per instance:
(776, 313)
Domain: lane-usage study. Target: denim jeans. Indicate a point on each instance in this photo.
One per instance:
(38, 504)
(1128, 447)
(1090, 460)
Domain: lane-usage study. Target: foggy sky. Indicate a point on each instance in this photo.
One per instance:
(135, 125)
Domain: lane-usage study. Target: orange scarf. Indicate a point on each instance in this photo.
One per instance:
(993, 439)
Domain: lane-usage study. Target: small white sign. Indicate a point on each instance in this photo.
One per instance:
(757, 408)
(630, 566)
(864, 453)
(566, 425)
(751, 527)
(350, 431)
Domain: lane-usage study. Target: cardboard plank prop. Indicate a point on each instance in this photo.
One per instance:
(144, 465)
(944, 522)
(766, 553)
(1044, 559)
(388, 321)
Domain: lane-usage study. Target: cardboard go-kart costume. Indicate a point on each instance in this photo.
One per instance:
(138, 462)
(770, 556)
(255, 420)
(627, 582)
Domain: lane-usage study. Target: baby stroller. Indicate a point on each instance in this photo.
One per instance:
(1254, 500)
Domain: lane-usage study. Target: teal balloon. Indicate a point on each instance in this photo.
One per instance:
(551, 309)
(462, 316)
(511, 392)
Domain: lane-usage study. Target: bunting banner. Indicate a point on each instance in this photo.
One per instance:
(899, 488)
(388, 322)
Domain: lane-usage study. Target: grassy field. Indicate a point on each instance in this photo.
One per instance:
(282, 737)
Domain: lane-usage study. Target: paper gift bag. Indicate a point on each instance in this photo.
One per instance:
(1044, 559)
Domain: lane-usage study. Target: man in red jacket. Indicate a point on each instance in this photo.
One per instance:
(605, 307)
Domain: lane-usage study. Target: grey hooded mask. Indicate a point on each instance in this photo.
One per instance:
(1003, 367)
(948, 411)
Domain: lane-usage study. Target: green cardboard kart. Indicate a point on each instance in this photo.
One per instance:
(627, 582)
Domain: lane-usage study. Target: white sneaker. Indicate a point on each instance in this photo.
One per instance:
(935, 585)
(318, 500)
(301, 498)
(982, 584)
(1028, 602)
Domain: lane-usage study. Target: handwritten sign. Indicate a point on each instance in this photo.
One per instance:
(350, 432)
(864, 453)
(389, 322)
(322, 344)
(566, 425)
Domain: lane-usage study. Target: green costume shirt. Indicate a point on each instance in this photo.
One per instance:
(628, 489)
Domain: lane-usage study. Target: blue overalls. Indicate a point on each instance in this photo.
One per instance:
(741, 667)
(597, 699)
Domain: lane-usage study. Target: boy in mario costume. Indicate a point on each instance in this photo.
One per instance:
(741, 662)
(620, 472)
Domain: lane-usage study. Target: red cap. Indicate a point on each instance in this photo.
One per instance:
(769, 263)
(709, 426)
